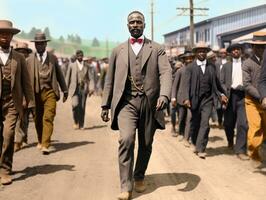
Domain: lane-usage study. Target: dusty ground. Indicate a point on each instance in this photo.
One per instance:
(84, 167)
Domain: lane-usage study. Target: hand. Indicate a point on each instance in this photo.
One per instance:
(224, 99)
(187, 103)
(174, 103)
(65, 97)
(104, 115)
(162, 103)
(263, 103)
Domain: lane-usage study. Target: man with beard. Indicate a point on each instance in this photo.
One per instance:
(137, 89)
(200, 90)
(15, 83)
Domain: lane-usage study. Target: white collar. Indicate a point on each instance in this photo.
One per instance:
(236, 60)
(5, 51)
(204, 62)
(257, 58)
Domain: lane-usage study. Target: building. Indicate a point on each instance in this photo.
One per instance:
(220, 31)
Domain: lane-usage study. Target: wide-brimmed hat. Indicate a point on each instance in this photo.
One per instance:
(186, 54)
(201, 45)
(7, 26)
(24, 46)
(234, 46)
(259, 38)
(210, 54)
(40, 37)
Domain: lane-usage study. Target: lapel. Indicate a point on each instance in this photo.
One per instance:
(230, 73)
(254, 58)
(124, 52)
(13, 66)
(147, 49)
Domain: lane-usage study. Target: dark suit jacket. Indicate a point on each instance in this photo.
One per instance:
(20, 81)
(191, 84)
(57, 75)
(262, 80)
(226, 78)
(178, 84)
(157, 81)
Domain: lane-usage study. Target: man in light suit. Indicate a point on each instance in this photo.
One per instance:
(14, 84)
(137, 89)
(78, 81)
(235, 113)
(45, 75)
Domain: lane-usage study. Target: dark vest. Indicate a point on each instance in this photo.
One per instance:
(205, 87)
(45, 74)
(134, 84)
(6, 78)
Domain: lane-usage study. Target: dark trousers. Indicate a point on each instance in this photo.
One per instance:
(10, 115)
(182, 117)
(220, 114)
(235, 115)
(174, 113)
(79, 106)
(188, 124)
(199, 129)
(128, 121)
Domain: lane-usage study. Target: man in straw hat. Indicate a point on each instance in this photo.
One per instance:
(21, 131)
(15, 84)
(256, 114)
(200, 90)
(45, 75)
(235, 114)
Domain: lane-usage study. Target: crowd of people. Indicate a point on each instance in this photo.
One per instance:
(228, 89)
(137, 84)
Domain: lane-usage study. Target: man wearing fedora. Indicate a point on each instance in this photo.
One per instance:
(78, 81)
(201, 89)
(15, 84)
(45, 75)
(235, 113)
(137, 89)
(255, 105)
(21, 131)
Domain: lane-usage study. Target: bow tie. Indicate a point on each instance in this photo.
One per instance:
(134, 40)
(4, 50)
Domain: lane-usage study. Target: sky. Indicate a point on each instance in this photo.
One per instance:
(107, 19)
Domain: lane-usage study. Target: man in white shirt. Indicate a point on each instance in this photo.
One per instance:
(137, 89)
(78, 81)
(235, 113)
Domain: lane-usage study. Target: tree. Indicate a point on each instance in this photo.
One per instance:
(33, 31)
(61, 39)
(78, 39)
(95, 42)
(47, 32)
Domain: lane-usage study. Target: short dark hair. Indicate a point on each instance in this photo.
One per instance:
(79, 52)
(136, 11)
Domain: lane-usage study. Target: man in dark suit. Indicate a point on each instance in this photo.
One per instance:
(78, 81)
(200, 90)
(137, 89)
(14, 85)
(45, 75)
(235, 113)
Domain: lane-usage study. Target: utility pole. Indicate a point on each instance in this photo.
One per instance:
(152, 15)
(191, 14)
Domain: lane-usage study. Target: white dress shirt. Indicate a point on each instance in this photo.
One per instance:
(80, 64)
(237, 79)
(44, 56)
(223, 62)
(136, 47)
(4, 55)
(202, 65)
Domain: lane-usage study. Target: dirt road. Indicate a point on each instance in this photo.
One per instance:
(84, 166)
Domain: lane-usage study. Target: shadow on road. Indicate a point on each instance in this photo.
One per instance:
(41, 169)
(155, 181)
(215, 138)
(95, 127)
(70, 145)
(219, 151)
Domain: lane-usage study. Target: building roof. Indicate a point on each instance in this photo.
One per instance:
(217, 18)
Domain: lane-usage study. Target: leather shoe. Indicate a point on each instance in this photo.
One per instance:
(124, 196)
(202, 155)
(140, 186)
(17, 146)
(242, 156)
(5, 179)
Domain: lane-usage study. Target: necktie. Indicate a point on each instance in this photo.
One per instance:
(41, 59)
(134, 40)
